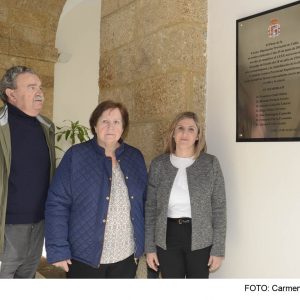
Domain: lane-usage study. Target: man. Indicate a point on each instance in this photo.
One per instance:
(27, 163)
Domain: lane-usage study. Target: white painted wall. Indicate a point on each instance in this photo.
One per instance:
(262, 179)
(76, 76)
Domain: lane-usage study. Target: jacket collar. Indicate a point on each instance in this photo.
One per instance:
(43, 121)
(3, 115)
(101, 150)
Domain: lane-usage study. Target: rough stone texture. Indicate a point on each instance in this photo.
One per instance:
(117, 29)
(33, 35)
(117, 67)
(122, 94)
(20, 48)
(6, 61)
(156, 14)
(158, 98)
(124, 2)
(4, 45)
(182, 41)
(3, 13)
(27, 37)
(5, 30)
(147, 137)
(153, 59)
(197, 104)
(110, 6)
(149, 57)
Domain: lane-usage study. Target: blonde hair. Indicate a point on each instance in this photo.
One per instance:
(200, 144)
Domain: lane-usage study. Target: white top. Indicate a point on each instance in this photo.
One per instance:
(179, 202)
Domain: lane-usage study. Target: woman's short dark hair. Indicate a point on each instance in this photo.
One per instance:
(108, 105)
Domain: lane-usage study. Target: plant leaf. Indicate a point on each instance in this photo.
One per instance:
(67, 134)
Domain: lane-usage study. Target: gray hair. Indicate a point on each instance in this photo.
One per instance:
(8, 80)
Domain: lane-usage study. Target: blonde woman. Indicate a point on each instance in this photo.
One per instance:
(185, 213)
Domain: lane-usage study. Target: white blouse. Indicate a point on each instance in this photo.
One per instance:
(179, 202)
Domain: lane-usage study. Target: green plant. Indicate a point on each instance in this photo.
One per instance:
(72, 133)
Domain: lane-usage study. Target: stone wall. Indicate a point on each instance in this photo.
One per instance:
(153, 59)
(27, 37)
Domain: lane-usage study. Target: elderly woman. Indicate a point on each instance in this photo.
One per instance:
(95, 205)
(185, 207)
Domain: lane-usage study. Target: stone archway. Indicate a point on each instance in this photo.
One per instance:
(27, 37)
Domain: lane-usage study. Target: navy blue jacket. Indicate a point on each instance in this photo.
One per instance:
(78, 199)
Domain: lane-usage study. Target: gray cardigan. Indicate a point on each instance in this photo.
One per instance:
(208, 203)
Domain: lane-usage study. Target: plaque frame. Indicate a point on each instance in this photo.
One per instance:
(241, 96)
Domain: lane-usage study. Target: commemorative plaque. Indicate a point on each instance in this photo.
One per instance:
(268, 75)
